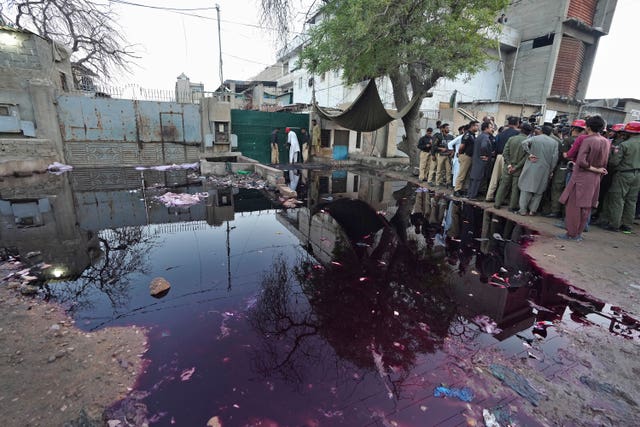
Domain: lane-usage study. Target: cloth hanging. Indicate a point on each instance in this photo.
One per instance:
(366, 113)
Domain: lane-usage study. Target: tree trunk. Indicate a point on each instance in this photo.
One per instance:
(411, 121)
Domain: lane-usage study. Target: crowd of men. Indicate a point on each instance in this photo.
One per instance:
(582, 172)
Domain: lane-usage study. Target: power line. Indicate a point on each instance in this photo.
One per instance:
(246, 59)
(184, 12)
(171, 9)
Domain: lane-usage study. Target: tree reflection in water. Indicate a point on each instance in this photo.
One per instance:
(378, 310)
(121, 253)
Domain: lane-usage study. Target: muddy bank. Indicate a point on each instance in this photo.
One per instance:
(52, 372)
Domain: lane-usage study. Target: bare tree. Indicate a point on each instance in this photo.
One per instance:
(278, 14)
(88, 28)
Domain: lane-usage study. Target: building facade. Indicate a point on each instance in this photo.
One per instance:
(543, 63)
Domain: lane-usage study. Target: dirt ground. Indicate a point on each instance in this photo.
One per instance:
(54, 374)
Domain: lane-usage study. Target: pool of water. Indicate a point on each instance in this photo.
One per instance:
(349, 310)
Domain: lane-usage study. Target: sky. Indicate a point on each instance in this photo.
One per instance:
(170, 43)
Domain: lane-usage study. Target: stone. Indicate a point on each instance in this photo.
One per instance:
(286, 192)
(28, 290)
(214, 422)
(159, 287)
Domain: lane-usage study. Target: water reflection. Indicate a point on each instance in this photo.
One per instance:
(347, 309)
(121, 255)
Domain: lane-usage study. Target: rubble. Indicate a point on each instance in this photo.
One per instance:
(251, 181)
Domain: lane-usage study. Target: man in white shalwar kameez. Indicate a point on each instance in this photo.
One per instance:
(454, 145)
(294, 145)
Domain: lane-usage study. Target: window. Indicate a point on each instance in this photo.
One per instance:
(323, 185)
(325, 138)
(356, 182)
(63, 81)
(4, 110)
(285, 68)
(341, 137)
(300, 83)
(543, 41)
(359, 140)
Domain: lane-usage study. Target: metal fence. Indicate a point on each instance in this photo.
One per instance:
(138, 93)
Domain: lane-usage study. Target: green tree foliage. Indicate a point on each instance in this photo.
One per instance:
(413, 42)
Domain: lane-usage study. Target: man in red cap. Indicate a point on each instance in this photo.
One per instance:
(294, 145)
(623, 194)
(581, 193)
(616, 136)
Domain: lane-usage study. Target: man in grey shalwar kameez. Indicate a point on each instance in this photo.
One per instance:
(543, 155)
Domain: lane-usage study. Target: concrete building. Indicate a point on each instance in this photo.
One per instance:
(251, 94)
(613, 110)
(32, 70)
(186, 91)
(542, 66)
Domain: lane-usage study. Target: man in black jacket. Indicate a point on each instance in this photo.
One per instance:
(465, 154)
(425, 145)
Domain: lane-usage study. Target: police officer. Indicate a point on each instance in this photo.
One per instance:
(465, 154)
(616, 135)
(443, 160)
(558, 180)
(424, 145)
(623, 194)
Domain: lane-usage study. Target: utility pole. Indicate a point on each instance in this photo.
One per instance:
(219, 43)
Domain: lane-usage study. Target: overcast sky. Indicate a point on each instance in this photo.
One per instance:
(170, 43)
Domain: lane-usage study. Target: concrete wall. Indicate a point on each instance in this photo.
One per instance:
(530, 76)
(23, 156)
(32, 70)
(535, 18)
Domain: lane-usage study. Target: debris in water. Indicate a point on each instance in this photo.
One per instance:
(170, 167)
(489, 419)
(58, 168)
(465, 393)
(170, 199)
(486, 324)
(187, 373)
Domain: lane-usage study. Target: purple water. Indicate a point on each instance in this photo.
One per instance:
(347, 311)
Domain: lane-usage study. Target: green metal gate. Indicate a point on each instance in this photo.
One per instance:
(254, 128)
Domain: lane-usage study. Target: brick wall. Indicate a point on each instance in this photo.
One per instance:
(568, 67)
(583, 10)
